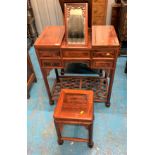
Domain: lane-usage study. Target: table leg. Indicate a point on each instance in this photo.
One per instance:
(47, 86)
(90, 133)
(57, 75)
(60, 141)
(112, 72)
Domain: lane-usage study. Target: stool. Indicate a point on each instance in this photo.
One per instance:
(75, 107)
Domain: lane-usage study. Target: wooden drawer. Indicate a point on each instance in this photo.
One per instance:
(75, 54)
(101, 54)
(49, 53)
(98, 10)
(67, 62)
(102, 64)
(50, 63)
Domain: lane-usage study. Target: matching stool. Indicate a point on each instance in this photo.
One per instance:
(75, 107)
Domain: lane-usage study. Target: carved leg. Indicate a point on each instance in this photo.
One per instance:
(62, 71)
(47, 86)
(60, 141)
(57, 75)
(90, 132)
(112, 72)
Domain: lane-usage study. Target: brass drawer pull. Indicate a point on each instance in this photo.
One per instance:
(108, 54)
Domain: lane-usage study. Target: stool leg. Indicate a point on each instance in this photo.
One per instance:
(60, 141)
(90, 132)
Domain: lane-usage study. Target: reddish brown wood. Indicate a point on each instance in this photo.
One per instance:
(76, 54)
(51, 37)
(47, 48)
(75, 107)
(100, 53)
(105, 38)
(98, 84)
(99, 12)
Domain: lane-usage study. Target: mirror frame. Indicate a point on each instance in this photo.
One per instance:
(84, 7)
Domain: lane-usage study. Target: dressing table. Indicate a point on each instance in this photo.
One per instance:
(100, 51)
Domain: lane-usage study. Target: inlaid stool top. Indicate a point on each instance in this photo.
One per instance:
(75, 105)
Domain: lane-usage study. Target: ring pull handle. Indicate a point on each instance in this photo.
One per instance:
(108, 54)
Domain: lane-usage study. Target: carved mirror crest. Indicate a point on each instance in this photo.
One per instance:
(76, 23)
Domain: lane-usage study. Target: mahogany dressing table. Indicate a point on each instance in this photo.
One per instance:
(100, 53)
(97, 47)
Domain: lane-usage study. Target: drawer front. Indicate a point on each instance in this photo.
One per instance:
(49, 63)
(100, 54)
(102, 64)
(49, 53)
(76, 54)
(85, 62)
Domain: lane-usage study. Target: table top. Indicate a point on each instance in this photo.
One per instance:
(75, 105)
(104, 35)
(51, 36)
(99, 36)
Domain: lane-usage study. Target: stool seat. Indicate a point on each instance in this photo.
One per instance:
(74, 107)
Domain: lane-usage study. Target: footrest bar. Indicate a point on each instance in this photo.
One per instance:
(74, 139)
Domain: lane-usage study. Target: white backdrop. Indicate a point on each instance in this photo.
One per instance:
(47, 12)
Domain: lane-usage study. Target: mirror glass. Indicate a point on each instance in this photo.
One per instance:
(75, 22)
